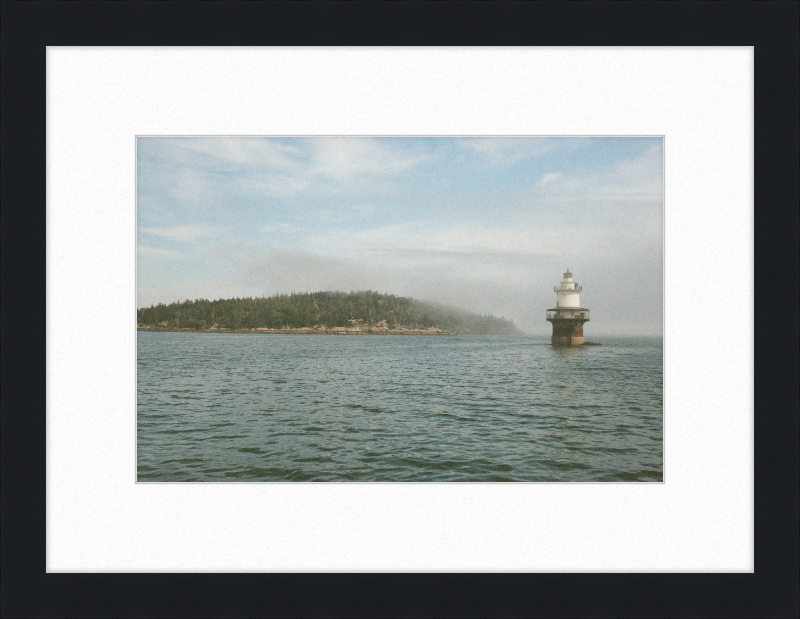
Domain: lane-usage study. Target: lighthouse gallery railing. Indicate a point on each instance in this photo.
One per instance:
(568, 313)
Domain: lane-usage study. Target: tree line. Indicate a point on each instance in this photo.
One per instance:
(309, 309)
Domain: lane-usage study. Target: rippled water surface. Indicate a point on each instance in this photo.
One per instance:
(238, 407)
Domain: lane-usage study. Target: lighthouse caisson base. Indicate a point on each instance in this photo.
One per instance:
(568, 316)
(567, 332)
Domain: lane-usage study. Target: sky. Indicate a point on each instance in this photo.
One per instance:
(488, 224)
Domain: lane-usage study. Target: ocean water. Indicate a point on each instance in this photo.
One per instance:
(311, 408)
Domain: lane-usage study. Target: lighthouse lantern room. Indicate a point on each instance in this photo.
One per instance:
(568, 316)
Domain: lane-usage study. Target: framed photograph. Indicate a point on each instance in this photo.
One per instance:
(247, 245)
(349, 374)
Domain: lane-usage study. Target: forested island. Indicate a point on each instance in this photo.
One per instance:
(365, 312)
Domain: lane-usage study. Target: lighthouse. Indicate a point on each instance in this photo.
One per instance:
(568, 316)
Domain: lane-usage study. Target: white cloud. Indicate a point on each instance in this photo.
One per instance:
(288, 228)
(549, 178)
(427, 242)
(190, 185)
(332, 160)
(628, 195)
(340, 158)
(181, 233)
(273, 185)
(247, 151)
(504, 151)
(145, 250)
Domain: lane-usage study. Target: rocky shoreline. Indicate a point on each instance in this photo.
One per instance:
(355, 329)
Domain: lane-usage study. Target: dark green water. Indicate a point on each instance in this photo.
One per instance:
(230, 407)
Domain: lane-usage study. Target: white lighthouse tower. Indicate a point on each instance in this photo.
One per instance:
(568, 316)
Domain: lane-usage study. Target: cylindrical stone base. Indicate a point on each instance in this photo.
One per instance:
(567, 333)
(567, 340)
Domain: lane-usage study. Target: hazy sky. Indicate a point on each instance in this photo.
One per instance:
(487, 224)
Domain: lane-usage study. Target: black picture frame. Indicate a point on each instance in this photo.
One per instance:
(28, 27)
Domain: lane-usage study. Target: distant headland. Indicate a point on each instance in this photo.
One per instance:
(332, 313)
